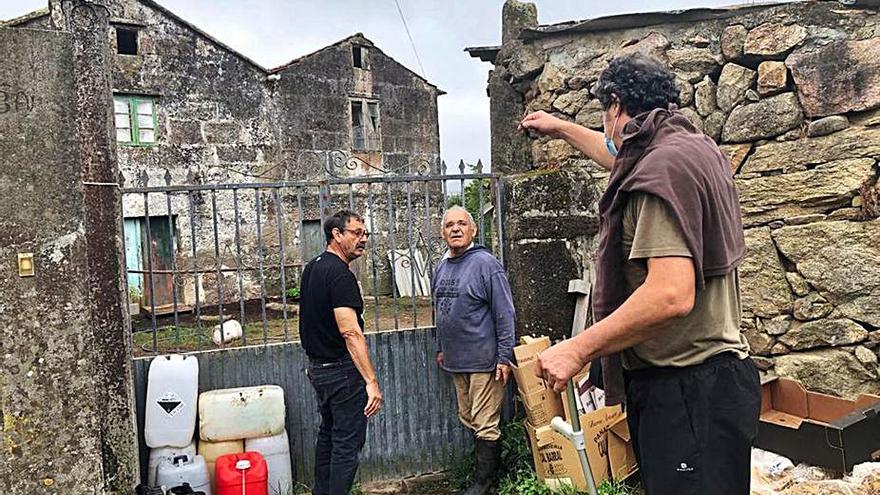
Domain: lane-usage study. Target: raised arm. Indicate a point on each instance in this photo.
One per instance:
(589, 142)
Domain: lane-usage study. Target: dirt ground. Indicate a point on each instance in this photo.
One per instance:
(191, 334)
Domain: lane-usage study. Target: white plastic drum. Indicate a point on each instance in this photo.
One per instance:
(247, 412)
(212, 450)
(157, 455)
(182, 469)
(276, 451)
(172, 392)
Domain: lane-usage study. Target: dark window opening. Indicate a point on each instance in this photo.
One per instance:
(126, 41)
(359, 56)
(357, 125)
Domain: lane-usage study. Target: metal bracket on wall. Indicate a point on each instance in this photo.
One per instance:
(26, 265)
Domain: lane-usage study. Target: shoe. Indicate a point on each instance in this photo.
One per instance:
(488, 460)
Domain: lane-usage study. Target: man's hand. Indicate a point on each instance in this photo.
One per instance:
(558, 364)
(543, 123)
(502, 372)
(439, 359)
(374, 399)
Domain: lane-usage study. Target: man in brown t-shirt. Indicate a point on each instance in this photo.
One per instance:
(669, 301)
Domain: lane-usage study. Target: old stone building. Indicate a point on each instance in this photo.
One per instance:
(790, 92)
(190, 110)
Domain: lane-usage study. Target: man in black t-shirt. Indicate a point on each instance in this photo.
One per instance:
(331, 328)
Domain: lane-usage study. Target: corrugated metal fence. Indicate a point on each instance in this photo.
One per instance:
(417, 432)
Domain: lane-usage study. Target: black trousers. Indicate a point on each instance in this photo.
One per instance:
(693, 427)
(342, 396)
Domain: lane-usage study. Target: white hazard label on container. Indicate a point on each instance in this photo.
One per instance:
(170, 402)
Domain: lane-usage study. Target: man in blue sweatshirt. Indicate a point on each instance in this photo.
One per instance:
(475, 329)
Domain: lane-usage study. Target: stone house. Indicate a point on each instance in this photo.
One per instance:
(190, 110)
(789, 91)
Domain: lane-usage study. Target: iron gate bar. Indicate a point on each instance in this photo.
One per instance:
(262, 275)
(393, 248)
(375, 270)
(150, 268)
(173, 238)
(217, 264)
(192, 227)
(209, 270)
(412, 260)
(428, 245)
(394, 200)
(299, 218)
(290, 184)
(238, 263)
(279, 215)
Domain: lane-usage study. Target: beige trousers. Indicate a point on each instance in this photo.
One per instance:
(480, 397)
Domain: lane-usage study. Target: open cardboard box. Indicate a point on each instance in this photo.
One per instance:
(818, 429)
(608, 449)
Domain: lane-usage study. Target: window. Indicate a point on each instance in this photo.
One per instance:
(357, 125)
(126, 41)
(359, 56)
(365, 127)
(135, 119)
(312, 241)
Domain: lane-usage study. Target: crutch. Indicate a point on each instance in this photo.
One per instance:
(573, 431)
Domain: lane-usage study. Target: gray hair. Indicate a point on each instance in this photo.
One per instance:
(457, 208)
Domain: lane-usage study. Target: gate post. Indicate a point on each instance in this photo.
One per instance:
(89, 24)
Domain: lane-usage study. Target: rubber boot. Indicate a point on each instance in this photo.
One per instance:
(488, 461)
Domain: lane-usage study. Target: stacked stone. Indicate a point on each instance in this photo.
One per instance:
(791, 94)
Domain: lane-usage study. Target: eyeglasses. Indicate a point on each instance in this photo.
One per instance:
(359, 233)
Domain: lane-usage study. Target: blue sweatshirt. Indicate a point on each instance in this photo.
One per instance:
(475, 315)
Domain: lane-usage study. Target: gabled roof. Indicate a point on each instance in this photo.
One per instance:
(208, 37)
(171, 15)
(17, 21)
(357, 38)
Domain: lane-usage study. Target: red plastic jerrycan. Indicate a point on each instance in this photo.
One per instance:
(242, 474)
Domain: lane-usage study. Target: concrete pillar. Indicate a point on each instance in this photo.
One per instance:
(65, 371)
(88, 22)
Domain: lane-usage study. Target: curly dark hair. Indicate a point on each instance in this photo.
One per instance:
(639, 82)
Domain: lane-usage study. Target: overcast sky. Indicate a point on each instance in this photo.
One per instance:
(272, 32)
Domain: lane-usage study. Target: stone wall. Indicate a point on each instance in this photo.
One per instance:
(221, 118)
(65, 388)
(790, 94)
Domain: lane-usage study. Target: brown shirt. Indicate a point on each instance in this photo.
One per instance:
(712, 327)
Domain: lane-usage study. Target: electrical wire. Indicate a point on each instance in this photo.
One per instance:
(411, 42)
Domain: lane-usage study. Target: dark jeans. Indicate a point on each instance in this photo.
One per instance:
(341, 398)
(692, 427)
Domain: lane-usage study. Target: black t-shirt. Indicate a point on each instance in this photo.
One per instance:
(327, 283)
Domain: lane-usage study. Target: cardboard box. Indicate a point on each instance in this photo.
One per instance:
(526, 381)
(541, 406)
(818, 429)
(530, 347)
(621, 456)
(556, 458)
(524, 369)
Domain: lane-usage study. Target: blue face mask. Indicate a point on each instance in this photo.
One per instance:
(609, 141)
(612, 148)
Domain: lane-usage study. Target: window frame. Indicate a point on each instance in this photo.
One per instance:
(363, 53)
(137, 39)
(134, 127)
(370, 133)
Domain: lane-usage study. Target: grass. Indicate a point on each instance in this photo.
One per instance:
(519, 476)
(188, 336)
